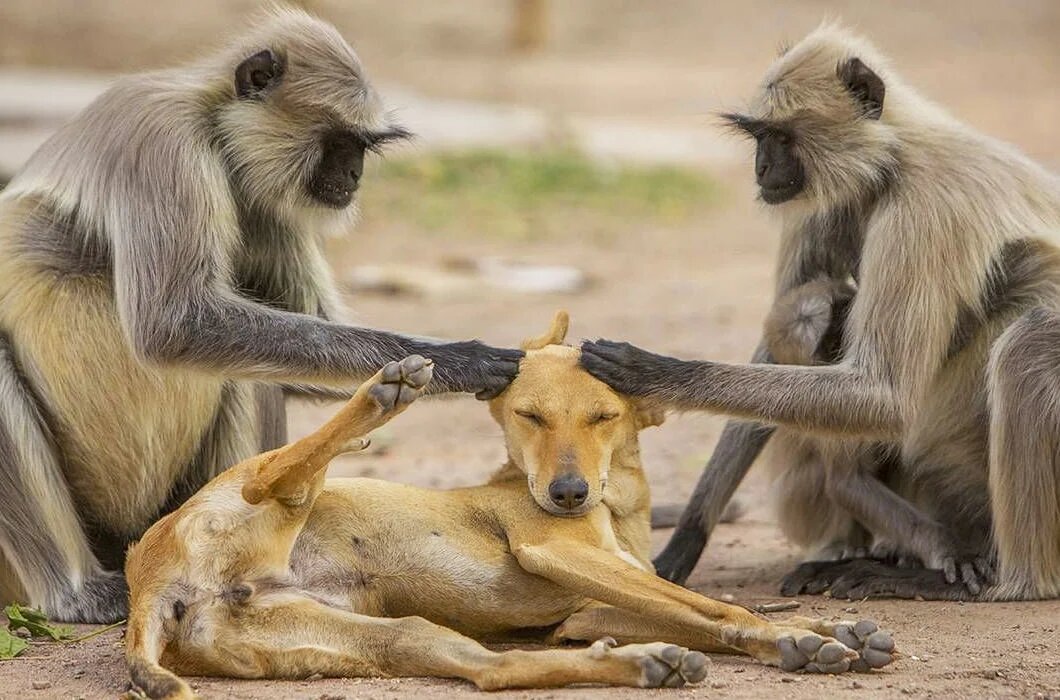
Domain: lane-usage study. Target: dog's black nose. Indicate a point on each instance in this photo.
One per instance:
(568, 491)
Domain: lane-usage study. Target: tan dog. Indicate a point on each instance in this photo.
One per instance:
(269, 571)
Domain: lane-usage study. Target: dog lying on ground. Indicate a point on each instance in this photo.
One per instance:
(270, 571)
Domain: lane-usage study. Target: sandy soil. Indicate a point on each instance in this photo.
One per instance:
(699, 291)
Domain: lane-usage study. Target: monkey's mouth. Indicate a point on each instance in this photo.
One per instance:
(332, 195)
(780, 193)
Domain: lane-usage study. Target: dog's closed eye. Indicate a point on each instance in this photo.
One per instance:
(531, 416)
(601, 418)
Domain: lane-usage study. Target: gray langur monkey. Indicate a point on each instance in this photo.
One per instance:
(951, 343)
(162, 283)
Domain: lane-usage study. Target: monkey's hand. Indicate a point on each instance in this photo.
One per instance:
(629, 370)
(471, 366)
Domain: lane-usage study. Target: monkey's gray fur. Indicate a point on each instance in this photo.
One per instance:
(951, 341)
(161, 278)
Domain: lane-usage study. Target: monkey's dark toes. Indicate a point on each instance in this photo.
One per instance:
(865, 578)
(812, 577)
(471, 366)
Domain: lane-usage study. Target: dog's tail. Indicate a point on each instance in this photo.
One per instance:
(147, 636)
(669, 515)
(144, 641)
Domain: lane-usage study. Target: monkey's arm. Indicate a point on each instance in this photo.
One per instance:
(172, 249)
(828, 399)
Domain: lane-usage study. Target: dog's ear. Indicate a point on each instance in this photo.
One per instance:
(554, 336)
(648, 413)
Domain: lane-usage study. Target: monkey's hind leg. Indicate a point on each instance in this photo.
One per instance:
(1024, 375)
(41, 536)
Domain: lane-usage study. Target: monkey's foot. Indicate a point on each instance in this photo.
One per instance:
(662, 665)
(102, 599)
(400, 383)
(865, 578)
(874, 647)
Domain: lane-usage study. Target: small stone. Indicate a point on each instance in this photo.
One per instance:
(315, 677)
(852, 611)
(21, 632)
(41, 685)
(79, 672)
(856, 686)
(718, 685)
(728, 597)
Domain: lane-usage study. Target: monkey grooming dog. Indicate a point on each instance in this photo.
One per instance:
(162, 282)
(951, 341)
(270, 571)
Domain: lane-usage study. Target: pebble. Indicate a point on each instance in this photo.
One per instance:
(728, 597)
(41, 685)
(718, 685)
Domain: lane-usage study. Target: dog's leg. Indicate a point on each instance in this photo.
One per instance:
(286, 473)
(290, 636)
(598, 620)
(602, 576)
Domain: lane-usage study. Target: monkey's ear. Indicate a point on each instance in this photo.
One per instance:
(257, 74)
(866, 87)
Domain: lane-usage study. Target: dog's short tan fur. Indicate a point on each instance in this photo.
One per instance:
(270, 572)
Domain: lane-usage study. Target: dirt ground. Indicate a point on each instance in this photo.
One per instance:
(697, 290)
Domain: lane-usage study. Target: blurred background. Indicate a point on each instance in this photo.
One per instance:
(567, 156)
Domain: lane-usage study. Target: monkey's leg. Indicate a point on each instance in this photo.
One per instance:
(807, 515)
(40, 533)
(1024, 376)
(852, 484)
(297, 637)
(739, 446)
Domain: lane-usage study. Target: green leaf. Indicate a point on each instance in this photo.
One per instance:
(35, 622)
(11, 645)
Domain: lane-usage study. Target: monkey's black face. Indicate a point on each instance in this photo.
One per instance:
(339, 171)
(778, 170)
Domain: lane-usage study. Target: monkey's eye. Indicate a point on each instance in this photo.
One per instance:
(531, 416)
(602, 418)
(783, 138)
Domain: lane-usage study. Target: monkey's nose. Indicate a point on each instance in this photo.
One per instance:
(568, 491)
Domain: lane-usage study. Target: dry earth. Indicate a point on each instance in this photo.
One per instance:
(697, 291)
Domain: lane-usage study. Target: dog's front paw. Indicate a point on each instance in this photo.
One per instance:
(400, 383)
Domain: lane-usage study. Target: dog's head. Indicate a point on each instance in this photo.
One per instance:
(563, 427)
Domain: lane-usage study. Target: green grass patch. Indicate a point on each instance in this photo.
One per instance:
(530, 194)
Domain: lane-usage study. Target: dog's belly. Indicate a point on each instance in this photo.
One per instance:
(394, 550)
